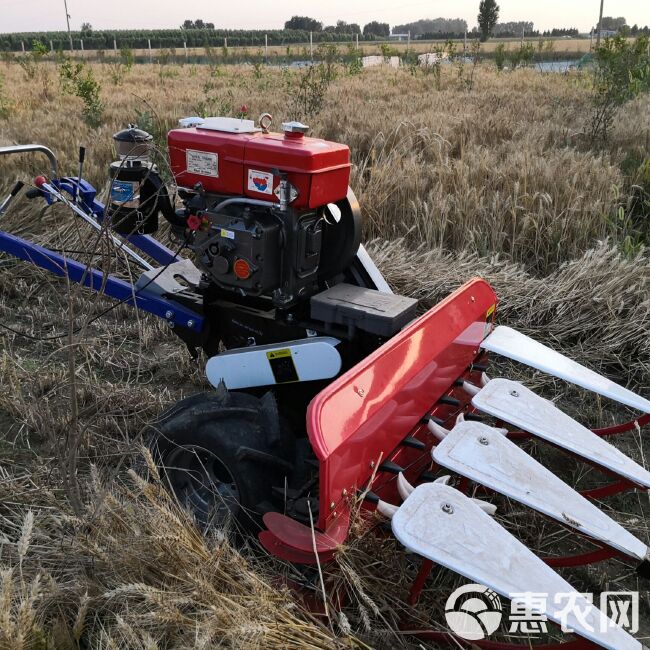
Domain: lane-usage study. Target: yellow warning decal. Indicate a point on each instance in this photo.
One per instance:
(278, 354)
(488, 320)
(282, 366)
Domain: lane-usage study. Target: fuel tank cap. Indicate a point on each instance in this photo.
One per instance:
(294, 129)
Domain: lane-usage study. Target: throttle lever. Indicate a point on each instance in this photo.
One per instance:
(4, 206)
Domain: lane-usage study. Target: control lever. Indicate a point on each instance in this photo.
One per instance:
(4, 206)
(82, 157)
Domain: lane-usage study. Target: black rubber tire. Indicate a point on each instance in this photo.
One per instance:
(236, 442)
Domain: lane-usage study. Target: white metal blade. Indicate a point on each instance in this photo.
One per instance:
(446, 527)
(512, 402)
(486, 456)
(514, 345)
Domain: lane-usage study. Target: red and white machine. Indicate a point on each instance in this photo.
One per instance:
(329, 387)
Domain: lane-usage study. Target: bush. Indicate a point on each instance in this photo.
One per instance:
(500, 56)
(522, 56)
(78, 80)
(622, 72)
(29, 62)
(307, 92)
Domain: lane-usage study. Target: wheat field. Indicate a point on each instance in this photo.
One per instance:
(473, 173)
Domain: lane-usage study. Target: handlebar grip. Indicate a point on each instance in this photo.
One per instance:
(33, 193)
(82, 155)
(17, 187)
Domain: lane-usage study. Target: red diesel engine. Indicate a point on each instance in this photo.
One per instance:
(260, 205)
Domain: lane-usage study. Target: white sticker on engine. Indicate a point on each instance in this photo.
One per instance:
(261, 182)
(203, 163)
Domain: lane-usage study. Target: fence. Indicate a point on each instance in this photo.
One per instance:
(167, 39)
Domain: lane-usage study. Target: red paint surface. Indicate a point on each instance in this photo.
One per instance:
(319, 169)
(275, 548)
(293, 534)
(362, 417)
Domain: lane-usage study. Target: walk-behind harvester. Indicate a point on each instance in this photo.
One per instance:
(327, 385)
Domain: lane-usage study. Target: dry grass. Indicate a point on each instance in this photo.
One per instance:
(496, 182)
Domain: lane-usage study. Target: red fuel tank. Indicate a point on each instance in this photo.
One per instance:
(249, 162)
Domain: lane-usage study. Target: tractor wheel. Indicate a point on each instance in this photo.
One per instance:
(221, 453)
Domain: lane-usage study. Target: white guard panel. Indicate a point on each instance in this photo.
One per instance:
(512, 402)
(279, 363)
(486, 456)
(372, 270)
(443, 525)
(514, 345)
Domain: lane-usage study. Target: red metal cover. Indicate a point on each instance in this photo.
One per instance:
(245, 164)
(214, 159)
(360, 418)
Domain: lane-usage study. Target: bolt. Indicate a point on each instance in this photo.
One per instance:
(190, 324)
(447, 508)
(345, 492)
(361, 392)
(514, 393)
(372, 464)
(473, 299)
(332, 505)
(169, 314)
(484, 441)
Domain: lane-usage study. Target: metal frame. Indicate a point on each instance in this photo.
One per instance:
(85, 205)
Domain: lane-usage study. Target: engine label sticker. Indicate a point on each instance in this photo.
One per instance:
(124, 193)
(203, 163)
(228, 234)
(261, 182)
(282, 366)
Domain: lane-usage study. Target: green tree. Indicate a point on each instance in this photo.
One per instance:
(376, 29)
(304, 23)
(613, 24)
(500, 56)
(488, 16)
(196, 24)
(346, 28)
(622, 73)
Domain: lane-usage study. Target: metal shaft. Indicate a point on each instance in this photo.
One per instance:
(67, 18)
(600, 23)
(31, 148)
(97, 226)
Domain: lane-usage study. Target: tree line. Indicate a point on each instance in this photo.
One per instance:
(170, 38)
(298, 29)
(308, 24)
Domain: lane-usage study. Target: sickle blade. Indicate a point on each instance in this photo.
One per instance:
(484, 455)
(512, 344)
(512, 402)
(443, 525)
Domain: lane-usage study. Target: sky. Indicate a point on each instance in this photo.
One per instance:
(41, 15)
